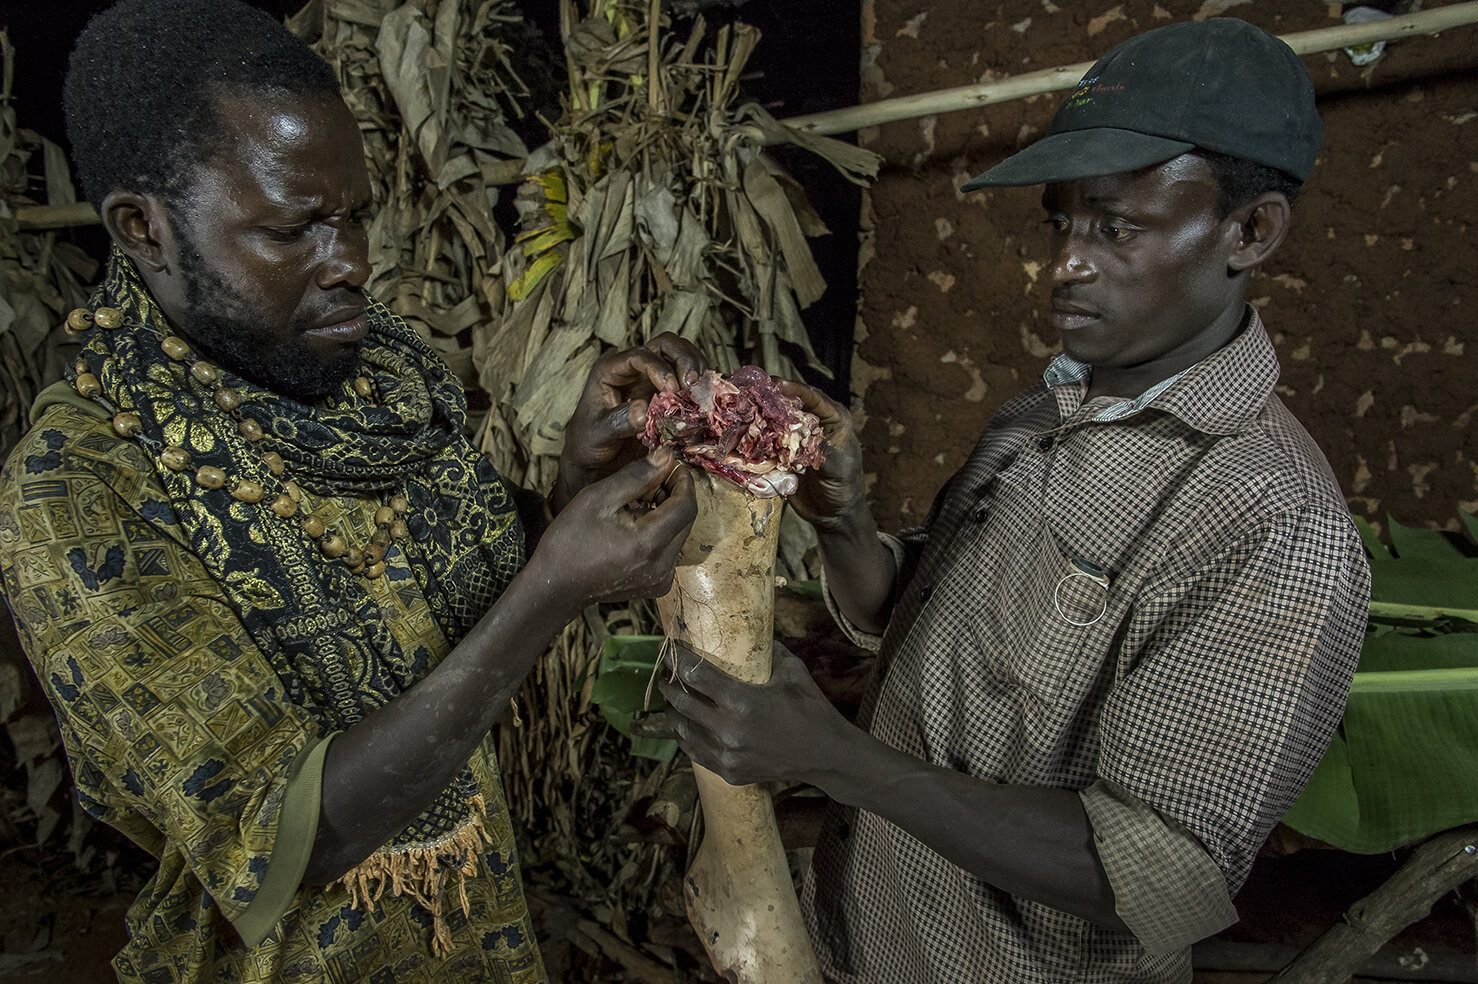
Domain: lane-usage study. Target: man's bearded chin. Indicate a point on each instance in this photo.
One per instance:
(287, 367)
(221, 323)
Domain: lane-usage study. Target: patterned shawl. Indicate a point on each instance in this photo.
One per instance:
(311, 616)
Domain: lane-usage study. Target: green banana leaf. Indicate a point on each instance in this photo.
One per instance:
(622, 683)
(1404, 763)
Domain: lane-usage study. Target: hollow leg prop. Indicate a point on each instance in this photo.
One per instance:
(741, 899)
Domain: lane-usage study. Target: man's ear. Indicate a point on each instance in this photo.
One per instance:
(141, 228)
(1261, 226)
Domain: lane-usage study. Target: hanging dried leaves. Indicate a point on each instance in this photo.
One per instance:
(41, 277)
(654, 208)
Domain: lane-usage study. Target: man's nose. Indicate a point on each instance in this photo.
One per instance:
(1070, 262)
(346, 261)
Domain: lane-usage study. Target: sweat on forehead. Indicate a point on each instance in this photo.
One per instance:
(145, 77)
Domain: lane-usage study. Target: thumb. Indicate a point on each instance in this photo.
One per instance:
(641, 478)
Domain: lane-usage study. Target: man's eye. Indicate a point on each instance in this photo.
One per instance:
(287, 234)
(1057, 223)
(1118, 234)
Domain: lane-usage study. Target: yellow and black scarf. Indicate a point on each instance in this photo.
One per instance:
(312, 617)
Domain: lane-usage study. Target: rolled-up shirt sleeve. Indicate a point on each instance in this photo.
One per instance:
(1166, 888)
(867, 640)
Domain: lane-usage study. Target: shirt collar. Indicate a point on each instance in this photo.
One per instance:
(1221, 394)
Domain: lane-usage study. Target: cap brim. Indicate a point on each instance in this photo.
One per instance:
(1076, 154)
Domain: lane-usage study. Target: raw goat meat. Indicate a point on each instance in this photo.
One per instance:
(742, 428)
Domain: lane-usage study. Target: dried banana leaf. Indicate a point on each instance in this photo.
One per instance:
(41, 276)
(653, 208)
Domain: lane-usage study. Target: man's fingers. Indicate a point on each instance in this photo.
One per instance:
(681, 354)
(620, 424)
(640, 369)
(639, 479)
(827, 410)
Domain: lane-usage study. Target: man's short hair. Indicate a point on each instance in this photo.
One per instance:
(145, 78)
(1241, 180)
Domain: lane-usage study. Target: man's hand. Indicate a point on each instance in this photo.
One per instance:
(829, 494)
(612, 543)
(1030, 841)
(620, 537)
(783, 729)
(603, 434)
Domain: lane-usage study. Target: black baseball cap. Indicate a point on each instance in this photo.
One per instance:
(1219, 84)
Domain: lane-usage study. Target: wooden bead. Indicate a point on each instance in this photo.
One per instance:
(174, 347)
(175, 458)
(354, 557)
(333, 546)
(88, 385)
(375, 570)
(364, 388)
(127, 424)
(293, 490)
(284, 506)
(374, 553)
(205, 372)
(108, 318)
(81, 366)
(273, 461)
(250, 429)
(210, 476)
(400, 504)
(398, 530)
(312, 525)
(380, 538)
(79, 320)
(226, 398)
(248, 491)
(384, 516)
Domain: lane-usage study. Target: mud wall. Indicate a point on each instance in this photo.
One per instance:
(1370, 301)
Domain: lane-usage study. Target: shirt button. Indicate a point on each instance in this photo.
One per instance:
(1044, 443)
(980, 513)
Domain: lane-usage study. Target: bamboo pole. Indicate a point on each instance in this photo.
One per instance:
(39, 218)
(852, 118)
(1066, 77)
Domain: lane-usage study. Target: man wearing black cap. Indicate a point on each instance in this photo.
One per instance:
(1113, 654)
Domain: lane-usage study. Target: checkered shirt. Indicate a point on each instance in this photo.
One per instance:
(1159, 607)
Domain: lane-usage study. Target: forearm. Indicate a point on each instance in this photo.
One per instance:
(860, 571)
(1033, 842)
(382, 772)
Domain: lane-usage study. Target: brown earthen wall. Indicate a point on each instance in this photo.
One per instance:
(1370, 301)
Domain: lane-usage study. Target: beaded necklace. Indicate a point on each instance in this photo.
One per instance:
(368, 560)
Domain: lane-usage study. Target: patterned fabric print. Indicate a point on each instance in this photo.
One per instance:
(1205, 693)
(181, 735)
(313, 618)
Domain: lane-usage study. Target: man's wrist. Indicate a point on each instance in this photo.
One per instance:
(568, 481)
(849, 528)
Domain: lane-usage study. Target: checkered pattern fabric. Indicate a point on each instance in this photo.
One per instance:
(1162, 611)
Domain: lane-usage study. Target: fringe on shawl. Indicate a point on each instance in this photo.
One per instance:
(421, 871)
